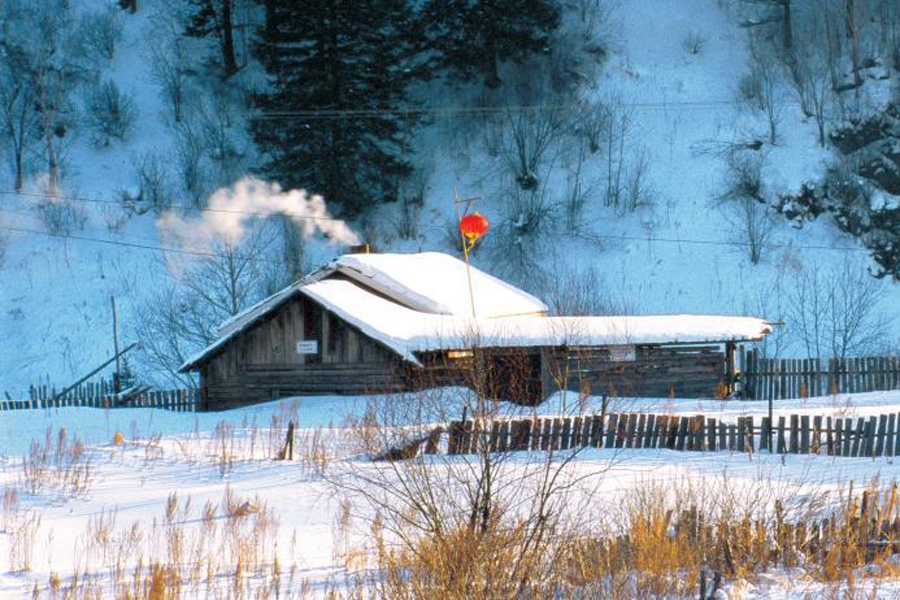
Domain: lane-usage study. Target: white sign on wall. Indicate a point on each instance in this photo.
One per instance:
(622, 353)
(308, 347)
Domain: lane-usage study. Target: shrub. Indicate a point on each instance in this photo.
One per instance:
(693, 42)
(111, 113)
(59, 216)
(99, 33)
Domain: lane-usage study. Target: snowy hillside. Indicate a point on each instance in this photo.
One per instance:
(669, 74)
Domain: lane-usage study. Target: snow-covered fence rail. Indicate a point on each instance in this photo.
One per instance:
(794, 434)
(783, 378)
(174, 400)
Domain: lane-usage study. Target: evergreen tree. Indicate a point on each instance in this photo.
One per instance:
(338, 72)
(215, 17)
(470, 37)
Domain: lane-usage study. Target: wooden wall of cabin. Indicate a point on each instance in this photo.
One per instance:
(512, 374)
(637, 371)
(263, 362)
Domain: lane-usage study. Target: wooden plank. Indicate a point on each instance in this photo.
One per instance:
(711, 434)
(697, 430)
(740, 435)
(723, 436)
(683, 427)
(889, 440)
(612, 425)
(781, 446)
(765, 431)
(503, 443)
(732, 437)
(848, 437)
(881, 434)
(858, 441)
(566, 432)
(795, 434)
(576, 432)
(597, 431)
(804, 434)
(650, 436)
(871, 426)
(536, 431)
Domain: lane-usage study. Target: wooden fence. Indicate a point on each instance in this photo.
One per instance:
(794, 434)
(174, 400)
(782, 378)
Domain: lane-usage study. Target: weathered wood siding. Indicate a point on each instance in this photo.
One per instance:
(641, 371)
(262, 363)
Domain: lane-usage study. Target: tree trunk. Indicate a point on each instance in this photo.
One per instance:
(270, 18)
(20, 179)
(228, 40)
(853, 34)
(788, 40)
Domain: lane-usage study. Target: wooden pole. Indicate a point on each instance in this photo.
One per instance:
(92, 373)
(117, 378)
(465, 246)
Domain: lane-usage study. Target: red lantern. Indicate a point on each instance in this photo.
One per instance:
(473, 227)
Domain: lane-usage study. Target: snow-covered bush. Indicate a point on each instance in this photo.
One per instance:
(99, 32)
(693, 42)
(60, 216)
(582, 292)
(153, 176)
(191, 172)
(111, 113)
(745, 204)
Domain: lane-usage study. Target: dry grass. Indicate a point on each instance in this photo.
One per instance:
(63, 467)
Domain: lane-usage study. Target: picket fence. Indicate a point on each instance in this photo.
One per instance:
(785, 378)
(173, 400)
(794, 434)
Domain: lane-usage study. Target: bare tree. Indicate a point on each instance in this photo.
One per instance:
(810, 73)
(169, 61)
(745, 203)
(37, 76)
(523, 138)
(766, 71)
(183, 315)
(837, 310)
(18, 117)
(99, 32)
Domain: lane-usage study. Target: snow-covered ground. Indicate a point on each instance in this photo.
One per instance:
(295, 510)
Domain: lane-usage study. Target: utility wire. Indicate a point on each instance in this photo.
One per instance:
(625, 238)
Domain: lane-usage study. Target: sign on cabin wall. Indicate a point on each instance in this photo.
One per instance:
(622, 353)
(308, 347)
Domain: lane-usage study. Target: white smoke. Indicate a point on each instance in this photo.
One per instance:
(232, 210)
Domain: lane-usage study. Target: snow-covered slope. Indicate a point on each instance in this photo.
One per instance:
(677, 256)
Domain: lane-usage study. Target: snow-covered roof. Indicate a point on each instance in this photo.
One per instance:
(406, 330)
(438, 283)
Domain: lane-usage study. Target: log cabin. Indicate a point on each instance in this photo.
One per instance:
(387, 323)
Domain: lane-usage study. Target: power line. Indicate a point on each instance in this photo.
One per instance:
(624, 238)
(466, 111)
(112, 242)
(210, 254)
